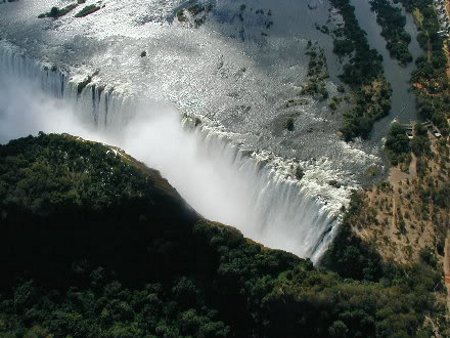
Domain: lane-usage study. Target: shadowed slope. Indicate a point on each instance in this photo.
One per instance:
(94, 244)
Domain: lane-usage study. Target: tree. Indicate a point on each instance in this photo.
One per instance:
(397, 144)
(54, 12)
(338, 329)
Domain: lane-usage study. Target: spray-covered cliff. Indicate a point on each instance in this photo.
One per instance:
(258, 193)
(263, 144)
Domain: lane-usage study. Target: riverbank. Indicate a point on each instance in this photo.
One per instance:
(405, 219)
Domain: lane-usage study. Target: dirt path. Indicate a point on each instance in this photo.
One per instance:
(447, 268)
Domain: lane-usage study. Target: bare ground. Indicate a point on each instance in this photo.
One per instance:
(404, 220)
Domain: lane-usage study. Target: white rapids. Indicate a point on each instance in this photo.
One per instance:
(224, 158)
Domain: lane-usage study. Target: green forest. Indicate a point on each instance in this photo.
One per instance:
(430, 79)
(94, 244)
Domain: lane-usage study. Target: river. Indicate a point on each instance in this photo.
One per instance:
(403, 105)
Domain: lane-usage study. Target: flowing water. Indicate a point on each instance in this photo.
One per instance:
(215, 177)
(403, 101)
(231, 78)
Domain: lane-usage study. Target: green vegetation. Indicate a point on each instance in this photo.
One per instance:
(392, 23)
(433, 187)
(196, 10)
(317, 73)
(350, 256)
(364, 65)
(56, 12)
(94, 244)
(87, 10)
(420, 144)
(335, 102)
(418, 284)
(435, 108)
(290, 123)
(363, 72)
(371, 102)
(431, 68)
(397, 145)
(430, 78)
(181, 16)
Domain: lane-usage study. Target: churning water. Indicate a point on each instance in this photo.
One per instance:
(204, 106)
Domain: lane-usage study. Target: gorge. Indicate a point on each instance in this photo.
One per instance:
(206, 168)
(230, 156)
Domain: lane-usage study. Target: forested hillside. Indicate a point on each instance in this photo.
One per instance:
(94, 244)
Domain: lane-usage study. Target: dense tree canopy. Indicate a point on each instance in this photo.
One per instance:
(93, 244)
(392, 23)
(397, 144)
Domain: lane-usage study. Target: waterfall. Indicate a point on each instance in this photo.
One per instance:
(248, 190)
